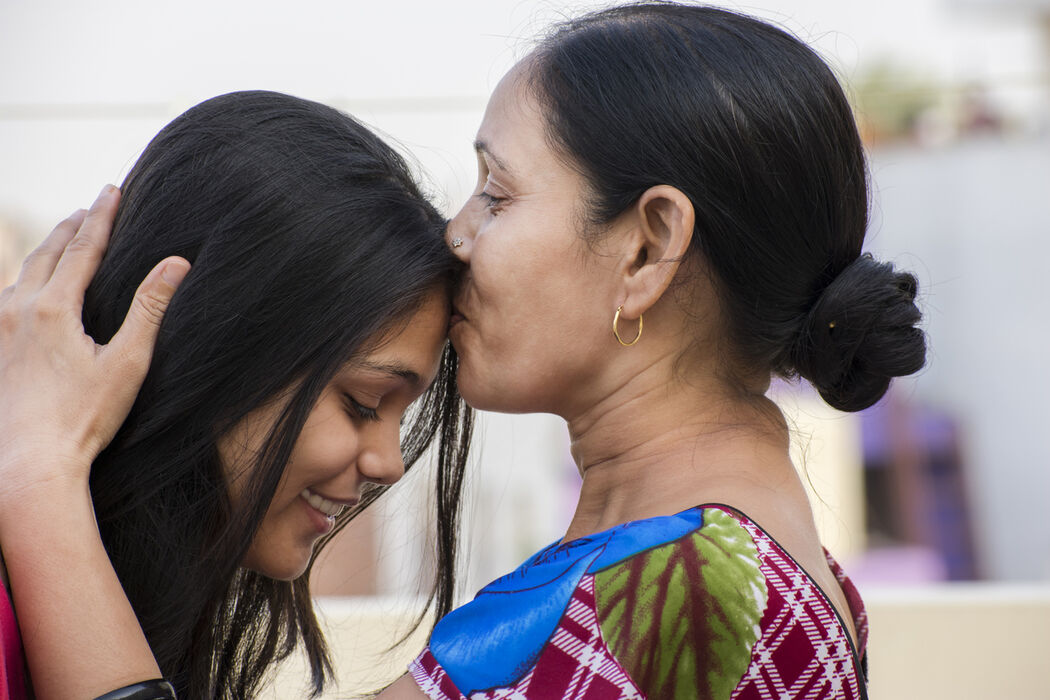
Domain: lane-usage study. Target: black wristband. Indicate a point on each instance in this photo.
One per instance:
(158, 689)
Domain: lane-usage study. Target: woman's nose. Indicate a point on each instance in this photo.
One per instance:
(459, 234)
(380, 461)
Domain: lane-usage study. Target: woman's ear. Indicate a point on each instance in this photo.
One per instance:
(661, 230)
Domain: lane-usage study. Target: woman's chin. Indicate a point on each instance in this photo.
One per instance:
(497, 397)
(478, 394)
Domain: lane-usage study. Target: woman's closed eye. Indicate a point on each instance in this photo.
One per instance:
(359, 410)
(492, 202)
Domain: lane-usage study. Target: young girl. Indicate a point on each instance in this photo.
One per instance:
(313, 316)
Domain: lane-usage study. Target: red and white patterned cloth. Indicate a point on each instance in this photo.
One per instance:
(799, 649)
(575, 665)
(803, 644)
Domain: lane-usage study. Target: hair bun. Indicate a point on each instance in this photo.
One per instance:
(860, 333)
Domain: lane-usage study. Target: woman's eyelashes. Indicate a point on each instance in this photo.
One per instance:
(492, 202)
(359, 410)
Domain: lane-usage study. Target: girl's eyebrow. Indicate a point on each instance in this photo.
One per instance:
(483, 148)
(394, 369)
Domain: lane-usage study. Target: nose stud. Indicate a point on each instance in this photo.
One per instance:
(456, 242)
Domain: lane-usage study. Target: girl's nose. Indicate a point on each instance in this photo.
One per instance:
(380, 461)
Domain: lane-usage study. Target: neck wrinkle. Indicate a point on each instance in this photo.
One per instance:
(656, 442)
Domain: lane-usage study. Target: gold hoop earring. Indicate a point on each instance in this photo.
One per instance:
(616, 332)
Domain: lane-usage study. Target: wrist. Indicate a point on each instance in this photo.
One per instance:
(26, 467)
(158, 689)
(27, 498)
(46, 448)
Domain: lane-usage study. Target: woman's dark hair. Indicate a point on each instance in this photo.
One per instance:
(753, 127)
(308, 237)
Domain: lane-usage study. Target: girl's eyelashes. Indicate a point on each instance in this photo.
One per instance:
(360, 410)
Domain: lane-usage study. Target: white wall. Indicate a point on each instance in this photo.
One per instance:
(973, 221)
(84, 85)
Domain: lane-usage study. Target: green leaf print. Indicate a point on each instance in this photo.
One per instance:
(682, 618)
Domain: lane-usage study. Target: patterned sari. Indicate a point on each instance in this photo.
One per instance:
(701, 604)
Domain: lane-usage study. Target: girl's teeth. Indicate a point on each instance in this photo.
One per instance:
(322, 504)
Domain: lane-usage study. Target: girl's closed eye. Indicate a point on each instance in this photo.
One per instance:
(359, 410)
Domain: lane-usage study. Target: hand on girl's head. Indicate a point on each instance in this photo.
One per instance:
(62, 406)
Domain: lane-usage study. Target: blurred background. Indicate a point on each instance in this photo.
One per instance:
(937, 499)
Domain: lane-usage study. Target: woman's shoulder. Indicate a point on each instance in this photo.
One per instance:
(691, 605)
(727, 610)
(624, 593)
(686, 614)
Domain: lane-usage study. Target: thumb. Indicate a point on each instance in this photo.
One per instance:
(137, 335)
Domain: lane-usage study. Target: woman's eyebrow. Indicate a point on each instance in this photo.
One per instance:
(483, 148)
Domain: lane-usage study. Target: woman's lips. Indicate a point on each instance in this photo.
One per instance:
(455, 317)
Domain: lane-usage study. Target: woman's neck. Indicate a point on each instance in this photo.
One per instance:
(658, 445)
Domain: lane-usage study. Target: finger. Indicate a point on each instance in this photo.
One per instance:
(134, 342)
(82, 255)
(40, 264)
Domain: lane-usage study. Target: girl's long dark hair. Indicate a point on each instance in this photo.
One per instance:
(308, 236)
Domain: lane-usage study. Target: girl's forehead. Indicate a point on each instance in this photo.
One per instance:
(411, 349)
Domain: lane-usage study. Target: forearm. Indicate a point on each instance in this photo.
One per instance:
(64, 397)
(79, 631)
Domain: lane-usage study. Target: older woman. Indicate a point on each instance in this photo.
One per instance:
(671, 209)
